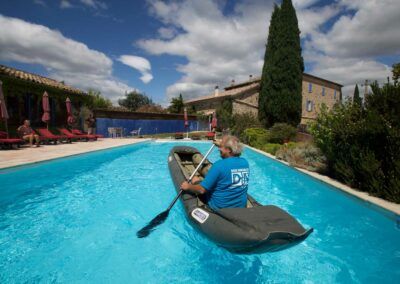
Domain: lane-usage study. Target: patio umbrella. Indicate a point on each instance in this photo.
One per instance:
(214, 121)
(46, 109)
(3, 109)
(185, 116)
(70, 119)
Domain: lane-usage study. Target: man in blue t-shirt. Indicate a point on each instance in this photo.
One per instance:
(225, 185)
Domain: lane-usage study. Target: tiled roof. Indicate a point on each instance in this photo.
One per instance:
(239, 88)
(227, 93)
(26, 76)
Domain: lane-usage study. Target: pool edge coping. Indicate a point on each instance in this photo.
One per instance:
(363, 196)
(75, 154)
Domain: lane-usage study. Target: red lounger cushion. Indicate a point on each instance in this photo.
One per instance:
(47, 134)
(69, 134)
(78, 132)
(11, 141)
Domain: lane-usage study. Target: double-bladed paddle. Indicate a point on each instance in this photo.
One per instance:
(160, 218)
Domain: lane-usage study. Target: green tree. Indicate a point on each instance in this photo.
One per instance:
(224, 114)
(269, 66)
(281, 85)
(134, 100)
(396, 73)
(98, 101)
(176, 105)
(356, 97)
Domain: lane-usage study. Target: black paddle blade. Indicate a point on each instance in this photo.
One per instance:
(158, 220)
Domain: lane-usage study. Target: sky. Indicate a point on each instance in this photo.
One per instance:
(164, 48)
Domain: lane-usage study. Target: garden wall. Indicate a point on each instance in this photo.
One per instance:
(150, 123)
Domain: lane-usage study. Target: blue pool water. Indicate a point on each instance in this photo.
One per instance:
(75, 219)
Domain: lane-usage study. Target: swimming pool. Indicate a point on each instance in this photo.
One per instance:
(75, 220)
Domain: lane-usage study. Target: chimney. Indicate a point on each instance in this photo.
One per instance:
(233, 82)
(216, 92)
(250, 77)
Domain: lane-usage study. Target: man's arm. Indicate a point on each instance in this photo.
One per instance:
(194, 188)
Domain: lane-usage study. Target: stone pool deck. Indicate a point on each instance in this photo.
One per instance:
(26, 155)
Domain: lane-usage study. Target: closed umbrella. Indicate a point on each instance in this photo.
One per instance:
(70, 119)
(214, 121)
(46, 109)
(185, 116)
(3, 109)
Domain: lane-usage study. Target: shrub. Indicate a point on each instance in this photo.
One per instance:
(243, 121)
(281, 133)
(303, 155)
(255, 137)
(271, 148)
(362, 144)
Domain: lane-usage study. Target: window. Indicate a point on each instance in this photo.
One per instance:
(309, 87)
(334, 95)
(309, 105)
(323, 91)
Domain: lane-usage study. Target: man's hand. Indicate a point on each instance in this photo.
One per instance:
(195, 179)
(185, 185)
(217, 142)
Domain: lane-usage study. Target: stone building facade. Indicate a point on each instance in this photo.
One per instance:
(315, 92)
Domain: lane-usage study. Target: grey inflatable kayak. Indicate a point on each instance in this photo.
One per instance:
(256, 228)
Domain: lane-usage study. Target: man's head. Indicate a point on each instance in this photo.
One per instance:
(27, 122)
(230, 147)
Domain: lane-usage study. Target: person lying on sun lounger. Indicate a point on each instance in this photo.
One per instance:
(26, 133)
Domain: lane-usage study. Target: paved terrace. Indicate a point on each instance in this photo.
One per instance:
(26, 155)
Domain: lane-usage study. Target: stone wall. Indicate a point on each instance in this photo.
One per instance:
(322, 92)
(240, 108)
(314, 96)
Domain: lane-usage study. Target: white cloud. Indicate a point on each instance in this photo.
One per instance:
(220, 47)
(347, 52)
(139, 63)
(95, 4)
(40, 2)
(166, 33)
(65, 4)
(301, 4)
(311, 19)
(65, 59)
(372, 31)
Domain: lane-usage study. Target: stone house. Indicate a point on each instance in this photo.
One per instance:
(315, 92)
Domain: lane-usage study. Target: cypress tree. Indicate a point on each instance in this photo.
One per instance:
(268, 68)
(356, 96)
(281, 86)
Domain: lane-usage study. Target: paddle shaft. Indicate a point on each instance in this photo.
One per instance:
(191, 177)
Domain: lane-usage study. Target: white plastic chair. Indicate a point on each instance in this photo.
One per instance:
(112, 132)
(136, 132)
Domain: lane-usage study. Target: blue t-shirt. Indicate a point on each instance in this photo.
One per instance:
(226, 183)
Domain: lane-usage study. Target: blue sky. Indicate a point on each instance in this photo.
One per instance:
(164, 48)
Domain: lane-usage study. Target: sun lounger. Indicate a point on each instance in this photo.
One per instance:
(210, 135)
(178, 135)
(9, 142)
(46, 135)
(91, 136)
(70, 135)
